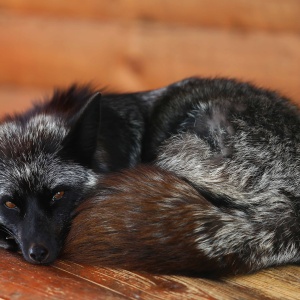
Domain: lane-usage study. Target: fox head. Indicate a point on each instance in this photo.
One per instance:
(46, 167)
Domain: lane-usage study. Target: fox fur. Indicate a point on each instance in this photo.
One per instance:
(218, 192)
(221, 195)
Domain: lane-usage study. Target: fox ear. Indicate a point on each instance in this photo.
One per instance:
(81, 141)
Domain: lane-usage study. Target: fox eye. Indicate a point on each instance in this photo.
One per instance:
(58, 195)
(10, 205)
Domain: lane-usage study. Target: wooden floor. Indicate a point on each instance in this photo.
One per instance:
(67, 280)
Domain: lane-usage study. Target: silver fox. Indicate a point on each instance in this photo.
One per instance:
(219, 192)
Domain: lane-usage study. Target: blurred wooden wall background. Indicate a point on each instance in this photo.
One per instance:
(132, 45)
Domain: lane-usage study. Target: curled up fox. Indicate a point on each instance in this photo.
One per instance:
(199, 177)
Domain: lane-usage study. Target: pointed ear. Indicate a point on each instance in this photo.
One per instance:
(81, 142)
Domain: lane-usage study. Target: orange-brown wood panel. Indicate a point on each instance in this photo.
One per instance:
(15, 99)
(255, 14)
(42, 52)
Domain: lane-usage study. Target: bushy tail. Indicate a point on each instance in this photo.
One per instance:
(149, 219)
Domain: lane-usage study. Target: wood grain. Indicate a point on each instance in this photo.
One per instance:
(44, 52)
(67, 280)
(19, 280)
(272, 283)
(275, 15)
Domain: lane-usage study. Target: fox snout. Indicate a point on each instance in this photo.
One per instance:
(38, 253)
(39, 239)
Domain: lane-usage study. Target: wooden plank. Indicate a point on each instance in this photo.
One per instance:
(255, 14)
(147, 286)
(43, 52)
(20, 280)
(67, 280)
(281, 283)
(159, 287)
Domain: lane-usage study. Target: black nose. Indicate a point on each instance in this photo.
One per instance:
(38, 253)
